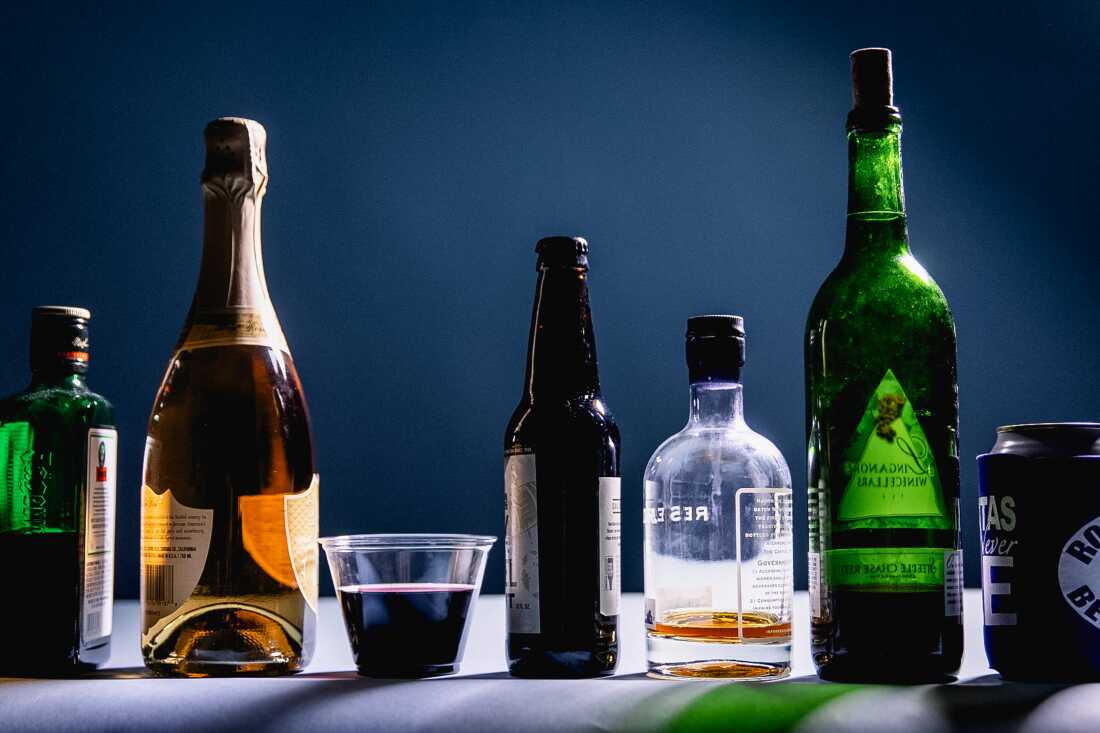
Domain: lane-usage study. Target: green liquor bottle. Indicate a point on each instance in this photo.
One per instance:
(885, 561)
(57, 506)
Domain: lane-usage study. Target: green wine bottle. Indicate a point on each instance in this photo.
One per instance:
(57, 506)
(882, 428)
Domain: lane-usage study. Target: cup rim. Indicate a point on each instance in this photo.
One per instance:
(384, 542)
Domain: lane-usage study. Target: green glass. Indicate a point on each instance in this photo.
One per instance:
(51, 435)
(882, 434)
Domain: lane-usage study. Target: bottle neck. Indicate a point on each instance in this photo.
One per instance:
(717, 404)
(58, 375)
(232, 271)
(876, 194)
(561, 351)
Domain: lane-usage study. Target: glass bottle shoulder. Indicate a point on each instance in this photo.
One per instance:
(736, 457)
(880, 289)
(63, 402)
(587, 415)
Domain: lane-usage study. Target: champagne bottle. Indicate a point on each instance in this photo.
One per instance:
(882, 424)
(229, 503)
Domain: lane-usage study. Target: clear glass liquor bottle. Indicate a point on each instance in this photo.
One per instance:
(229, 505)
(717, 521)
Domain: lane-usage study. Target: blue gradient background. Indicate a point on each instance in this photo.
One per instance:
(419, 150)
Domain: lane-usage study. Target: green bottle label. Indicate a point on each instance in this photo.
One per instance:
(890, 467)
(887, 568)
(16, 471)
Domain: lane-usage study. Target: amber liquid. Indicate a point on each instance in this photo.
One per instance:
(230, 422)
(727, 627)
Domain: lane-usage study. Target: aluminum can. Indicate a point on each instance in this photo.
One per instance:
(1039, 516)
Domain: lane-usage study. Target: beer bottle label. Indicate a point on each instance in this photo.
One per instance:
(889, 465)
(610, 562)
(521, 544)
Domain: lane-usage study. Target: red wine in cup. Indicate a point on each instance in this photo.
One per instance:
(406, 629)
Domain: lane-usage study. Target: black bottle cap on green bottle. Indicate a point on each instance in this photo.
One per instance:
(562, 252)
(872, 89)
(715, 348)
(59, 338)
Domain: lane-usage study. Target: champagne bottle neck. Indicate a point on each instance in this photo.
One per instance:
(561, 352)
(231, 304)
(876, 195)
(232, 271)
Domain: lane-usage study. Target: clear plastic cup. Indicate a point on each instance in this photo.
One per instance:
(407, 599)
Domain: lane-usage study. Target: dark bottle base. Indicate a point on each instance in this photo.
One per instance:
(408, 673)
(528, 660)
(44, 626)
(894, 670)
(899, 638)
(39, 662)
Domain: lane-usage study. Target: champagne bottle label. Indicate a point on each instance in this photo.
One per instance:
(232, 327)
(175, 540)
(99, 534)
(890, 467)
(521, 544)
(610, 560)
(279, 533)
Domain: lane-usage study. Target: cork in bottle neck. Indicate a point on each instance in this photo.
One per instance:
(872, 90)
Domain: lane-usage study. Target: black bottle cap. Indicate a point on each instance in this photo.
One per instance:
(715, 348)
(59, 338)
(562, 252)
(872, 89)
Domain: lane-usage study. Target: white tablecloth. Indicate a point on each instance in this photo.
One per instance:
(329, 697)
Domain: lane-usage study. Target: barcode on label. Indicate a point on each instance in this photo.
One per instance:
(159, 583)
(92, 628)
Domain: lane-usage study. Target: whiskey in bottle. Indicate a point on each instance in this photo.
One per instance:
(229, 502)
(882, 427)
(57, 506)
(561, 483)
(719, 575)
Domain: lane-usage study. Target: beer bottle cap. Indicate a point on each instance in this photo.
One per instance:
(562, 252)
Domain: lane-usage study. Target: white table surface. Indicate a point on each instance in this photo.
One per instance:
(329, 697)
